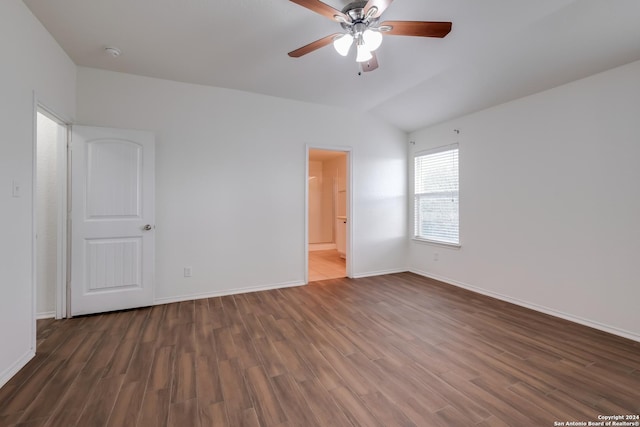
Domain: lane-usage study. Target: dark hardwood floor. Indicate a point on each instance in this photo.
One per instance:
(384, 351)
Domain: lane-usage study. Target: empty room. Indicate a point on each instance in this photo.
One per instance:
(306, 213)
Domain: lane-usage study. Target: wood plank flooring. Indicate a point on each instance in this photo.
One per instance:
(396, 350)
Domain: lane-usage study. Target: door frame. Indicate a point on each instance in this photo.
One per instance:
(349, 183)
(61, 295)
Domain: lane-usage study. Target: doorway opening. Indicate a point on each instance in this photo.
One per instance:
(50, 215)
(327, 214)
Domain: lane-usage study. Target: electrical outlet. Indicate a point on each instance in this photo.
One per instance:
(187, 272)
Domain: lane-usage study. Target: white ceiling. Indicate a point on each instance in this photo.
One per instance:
(498, 50)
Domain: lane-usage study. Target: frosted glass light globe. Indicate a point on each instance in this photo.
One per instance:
(364, 54)
(343, 43)
(372, 39)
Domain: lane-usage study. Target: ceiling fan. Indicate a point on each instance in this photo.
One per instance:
(359, 20)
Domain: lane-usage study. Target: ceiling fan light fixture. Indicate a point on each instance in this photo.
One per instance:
(342, 43)
(363, 54)
(372, 39)
(359, 22)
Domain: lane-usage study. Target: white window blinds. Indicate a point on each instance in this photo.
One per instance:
(436, 195)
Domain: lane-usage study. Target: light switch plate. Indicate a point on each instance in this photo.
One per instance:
(16, 188)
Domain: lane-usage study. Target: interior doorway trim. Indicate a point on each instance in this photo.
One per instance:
(61, 295)
(349, 180)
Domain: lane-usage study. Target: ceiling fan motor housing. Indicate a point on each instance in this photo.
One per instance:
(355, 11)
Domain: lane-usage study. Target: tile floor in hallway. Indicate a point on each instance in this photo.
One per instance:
(326, 264)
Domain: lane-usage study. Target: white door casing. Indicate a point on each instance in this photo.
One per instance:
(112, 219)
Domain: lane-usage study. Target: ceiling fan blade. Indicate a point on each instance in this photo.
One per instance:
(312, 46)
(418, 28)
(369, 65)
(381, 5)
(323, 9)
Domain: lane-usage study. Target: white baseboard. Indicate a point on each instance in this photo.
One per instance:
(321, 246)
(189, 297)
(546, 310)
(46, 315)
(8, 373)
(378, 273)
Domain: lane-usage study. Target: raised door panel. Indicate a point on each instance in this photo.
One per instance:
(114, 184)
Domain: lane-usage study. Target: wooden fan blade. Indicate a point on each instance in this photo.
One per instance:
(370, 65)
(312, 46)
(382, 5)
(418, 28)
(323, 9)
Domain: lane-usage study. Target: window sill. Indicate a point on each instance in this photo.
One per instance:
(436, 243)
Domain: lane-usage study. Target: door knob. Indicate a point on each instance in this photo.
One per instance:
(147, 227)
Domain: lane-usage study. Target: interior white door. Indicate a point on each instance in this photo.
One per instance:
(112, 219)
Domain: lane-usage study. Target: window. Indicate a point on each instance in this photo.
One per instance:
(436, 195)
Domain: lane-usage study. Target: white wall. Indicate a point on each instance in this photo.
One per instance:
(230, 178)
(31, 61)
(550, 201)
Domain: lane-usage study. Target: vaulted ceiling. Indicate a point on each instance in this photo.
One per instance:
(498, 50)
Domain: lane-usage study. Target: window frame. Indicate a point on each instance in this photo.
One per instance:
(415, 237)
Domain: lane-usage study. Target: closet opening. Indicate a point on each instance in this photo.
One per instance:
(50, 216)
